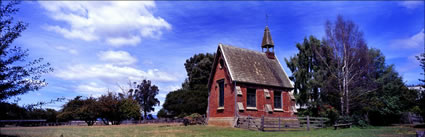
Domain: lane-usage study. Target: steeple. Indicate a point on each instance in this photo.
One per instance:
(268, 43)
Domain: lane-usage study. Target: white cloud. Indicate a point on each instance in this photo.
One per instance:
(413, 42)
(411, 4)
(171, 88)
(123, 41)
(164, 91)
(110, 73)
(92, 89)
(117, 23)
(117, 57)
(66, 49)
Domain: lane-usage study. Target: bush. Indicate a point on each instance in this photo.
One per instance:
(194, 119)
(329, 112)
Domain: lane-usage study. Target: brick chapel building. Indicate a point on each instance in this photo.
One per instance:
(248, 83)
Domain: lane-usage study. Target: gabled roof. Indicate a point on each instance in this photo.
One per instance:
(252, 67)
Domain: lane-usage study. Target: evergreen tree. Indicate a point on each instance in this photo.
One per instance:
(145, 93)
(194, 92)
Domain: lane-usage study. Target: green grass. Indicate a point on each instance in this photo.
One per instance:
(196, 131)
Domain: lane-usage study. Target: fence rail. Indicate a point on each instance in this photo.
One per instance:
(43, 122)
(281, 123)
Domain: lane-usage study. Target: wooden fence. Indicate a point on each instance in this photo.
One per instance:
(43, 122)
(415, 118)
(281, 123)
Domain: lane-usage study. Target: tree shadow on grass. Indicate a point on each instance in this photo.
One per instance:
(1, 135)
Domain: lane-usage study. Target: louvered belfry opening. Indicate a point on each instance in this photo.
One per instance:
(268, 43)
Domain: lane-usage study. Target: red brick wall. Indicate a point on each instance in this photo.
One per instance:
(262, 100)
(229, 98)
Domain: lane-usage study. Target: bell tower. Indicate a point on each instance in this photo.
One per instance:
(268, 44)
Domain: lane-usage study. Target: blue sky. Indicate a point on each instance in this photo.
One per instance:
(96, 46)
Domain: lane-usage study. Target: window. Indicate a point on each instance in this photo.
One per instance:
(251, 97)
(221, 63)
(277, 99)
(221, 93)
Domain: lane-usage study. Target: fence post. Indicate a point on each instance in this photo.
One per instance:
(262, 123)
(249, 121)
(308, 123)
(279, 123)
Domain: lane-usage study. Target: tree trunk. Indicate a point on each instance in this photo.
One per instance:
(342, 104)
(145, 116)
(347, 103)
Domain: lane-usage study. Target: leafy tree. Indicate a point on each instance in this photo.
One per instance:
(350, 54)
(11, 111)
(162, 113)
(129, 108)
(198, 68)
(342, 71)
(421, 59)
(421, 101)
(116, 108)
(390, 96)
(177, 102)
(145, 93)
(194, 90)
(16, 77)
(109, 109)
(80, 109)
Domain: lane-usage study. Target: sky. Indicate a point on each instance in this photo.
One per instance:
(96, 47)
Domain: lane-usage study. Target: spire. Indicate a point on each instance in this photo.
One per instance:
(267, 39)
(268, 43)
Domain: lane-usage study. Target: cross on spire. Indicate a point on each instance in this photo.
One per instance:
(267, 19)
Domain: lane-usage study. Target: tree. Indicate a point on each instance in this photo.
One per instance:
(198, 68)
(303, 67)
(145, 93)
(115, 108)
(390, 97)
(421, 59)
(16, 77)
(129, 108)
(421, 100)
(80, 109)
(177, 102)
(194, 91)
(350, 53)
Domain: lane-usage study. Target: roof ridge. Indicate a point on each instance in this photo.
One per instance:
(227, 45)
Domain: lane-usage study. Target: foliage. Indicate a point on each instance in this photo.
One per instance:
(198, 68)
(194, 92)
(110, 108)
(421, 101)
(177, 102)
(114, 108)
(342, 71)
(130, 109)
(162, 113)
(10, 111)
(144, 93)
(421, 59)
(390, 98)
(16, 77)
(329, 112)
(350, 53)
(193, 119)
(303, 67)
(80, 109)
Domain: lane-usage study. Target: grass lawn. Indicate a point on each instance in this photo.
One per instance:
(159, 130)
